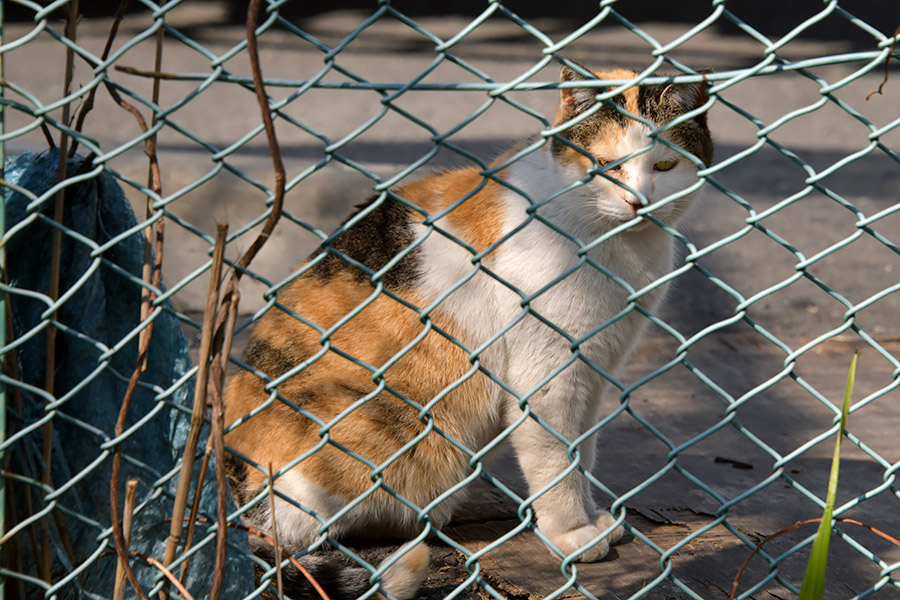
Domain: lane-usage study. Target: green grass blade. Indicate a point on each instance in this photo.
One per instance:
(813, 587)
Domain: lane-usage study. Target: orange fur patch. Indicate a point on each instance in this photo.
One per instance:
(377, 429)
(630, 95)
(478, 220)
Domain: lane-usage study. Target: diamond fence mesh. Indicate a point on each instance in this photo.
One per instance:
(714, 436)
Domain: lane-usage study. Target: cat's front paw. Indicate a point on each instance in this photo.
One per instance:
(572, 541)
(604, 521)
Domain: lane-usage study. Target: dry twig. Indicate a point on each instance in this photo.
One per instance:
(222, 348)
(303, 570)
(169, 575)
(227, 311)
(887, 65)
(89, 101)
(145, 73)
(155, 276)
(53, 292)
(274, 150)
(199, 409)
(195, 508)
(130, 493)
(118, 537)
(154, 182)
(219, 363)
(48, 136)
(794, 527)
(11, 369)
(143, 349)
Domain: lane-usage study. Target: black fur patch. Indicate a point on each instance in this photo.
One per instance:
(272, 361)
(236, 473)
(339, 577)
(374, 241)
(663, 104)
(257, 515)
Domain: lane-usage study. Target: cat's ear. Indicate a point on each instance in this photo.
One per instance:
(573, 101)
(684, 96)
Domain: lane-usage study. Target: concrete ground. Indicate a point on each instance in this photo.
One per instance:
(781, 412)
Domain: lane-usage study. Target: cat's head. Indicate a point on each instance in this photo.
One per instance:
(607, 135)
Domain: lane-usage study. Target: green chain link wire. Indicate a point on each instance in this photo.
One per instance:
(225, 161)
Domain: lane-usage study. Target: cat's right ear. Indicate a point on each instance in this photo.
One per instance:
(573, 101)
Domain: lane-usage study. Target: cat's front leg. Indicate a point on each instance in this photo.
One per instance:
(566, 513)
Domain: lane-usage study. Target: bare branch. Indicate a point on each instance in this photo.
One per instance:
(199, 409)
(794, 527)
(89, 102)
(887, 65)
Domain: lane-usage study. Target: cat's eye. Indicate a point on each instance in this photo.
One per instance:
(603, 162)
(665, 165)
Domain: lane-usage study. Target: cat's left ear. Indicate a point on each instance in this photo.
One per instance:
(685, 96)
(573, 101)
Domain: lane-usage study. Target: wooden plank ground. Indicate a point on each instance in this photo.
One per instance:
(672, 508)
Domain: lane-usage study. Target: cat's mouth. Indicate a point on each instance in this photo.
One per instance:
(638, 226)
(659, 214)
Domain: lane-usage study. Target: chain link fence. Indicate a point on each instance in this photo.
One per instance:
(714, 436)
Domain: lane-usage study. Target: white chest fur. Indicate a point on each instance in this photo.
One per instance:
(539, 294)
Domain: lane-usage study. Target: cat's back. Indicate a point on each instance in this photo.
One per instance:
(382, 242)
(360, 310)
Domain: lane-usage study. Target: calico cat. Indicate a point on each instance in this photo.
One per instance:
(389, 346)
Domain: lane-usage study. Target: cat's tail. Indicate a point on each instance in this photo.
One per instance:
(401, 580)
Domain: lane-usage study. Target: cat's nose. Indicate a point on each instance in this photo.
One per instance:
(634, 201)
